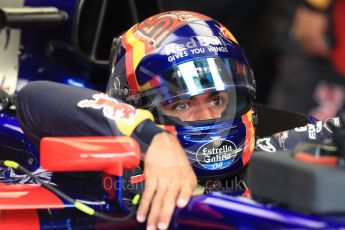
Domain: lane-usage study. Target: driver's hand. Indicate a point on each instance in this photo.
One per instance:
(169, 181)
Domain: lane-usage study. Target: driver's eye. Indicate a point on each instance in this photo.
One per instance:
(181, 106)
(218, 101)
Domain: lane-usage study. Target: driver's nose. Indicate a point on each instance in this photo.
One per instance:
(204, 113)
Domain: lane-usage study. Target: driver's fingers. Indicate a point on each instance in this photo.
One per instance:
(145, 201)
(156, 207)
(168, 206)
(186, 192)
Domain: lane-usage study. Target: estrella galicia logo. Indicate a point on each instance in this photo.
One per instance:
(217, 154)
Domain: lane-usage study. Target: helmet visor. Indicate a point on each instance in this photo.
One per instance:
(198, 77)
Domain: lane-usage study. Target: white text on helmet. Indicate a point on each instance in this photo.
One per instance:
(193, 43)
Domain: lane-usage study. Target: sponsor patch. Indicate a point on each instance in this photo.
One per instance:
(282, 136)
(111, 108)
(217, 154)
(330, 122)
(265, 145)
(312, 129)
(301, 129)
(195, 46)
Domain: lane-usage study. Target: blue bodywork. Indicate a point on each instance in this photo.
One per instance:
(15, 145)
(209, 211)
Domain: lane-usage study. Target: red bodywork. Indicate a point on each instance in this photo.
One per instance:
(19, 203)
(108, 154)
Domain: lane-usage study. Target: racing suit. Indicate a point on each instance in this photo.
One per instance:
(52, 109)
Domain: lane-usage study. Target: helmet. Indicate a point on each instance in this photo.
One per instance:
(180, 55)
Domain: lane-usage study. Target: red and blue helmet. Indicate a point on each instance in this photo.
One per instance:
(178, 55)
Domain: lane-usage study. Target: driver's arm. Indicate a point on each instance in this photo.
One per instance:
(51, 109)
(288, 140)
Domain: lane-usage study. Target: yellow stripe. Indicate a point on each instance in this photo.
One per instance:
(232, 37)
(145, 86)
(127, 126)
(138, 48)
(229, 34)
(319, 4)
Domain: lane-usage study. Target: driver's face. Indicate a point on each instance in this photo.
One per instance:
(201, 107)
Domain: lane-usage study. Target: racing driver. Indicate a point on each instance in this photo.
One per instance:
(181, 86)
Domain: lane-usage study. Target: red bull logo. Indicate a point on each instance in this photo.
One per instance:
(112, 108)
